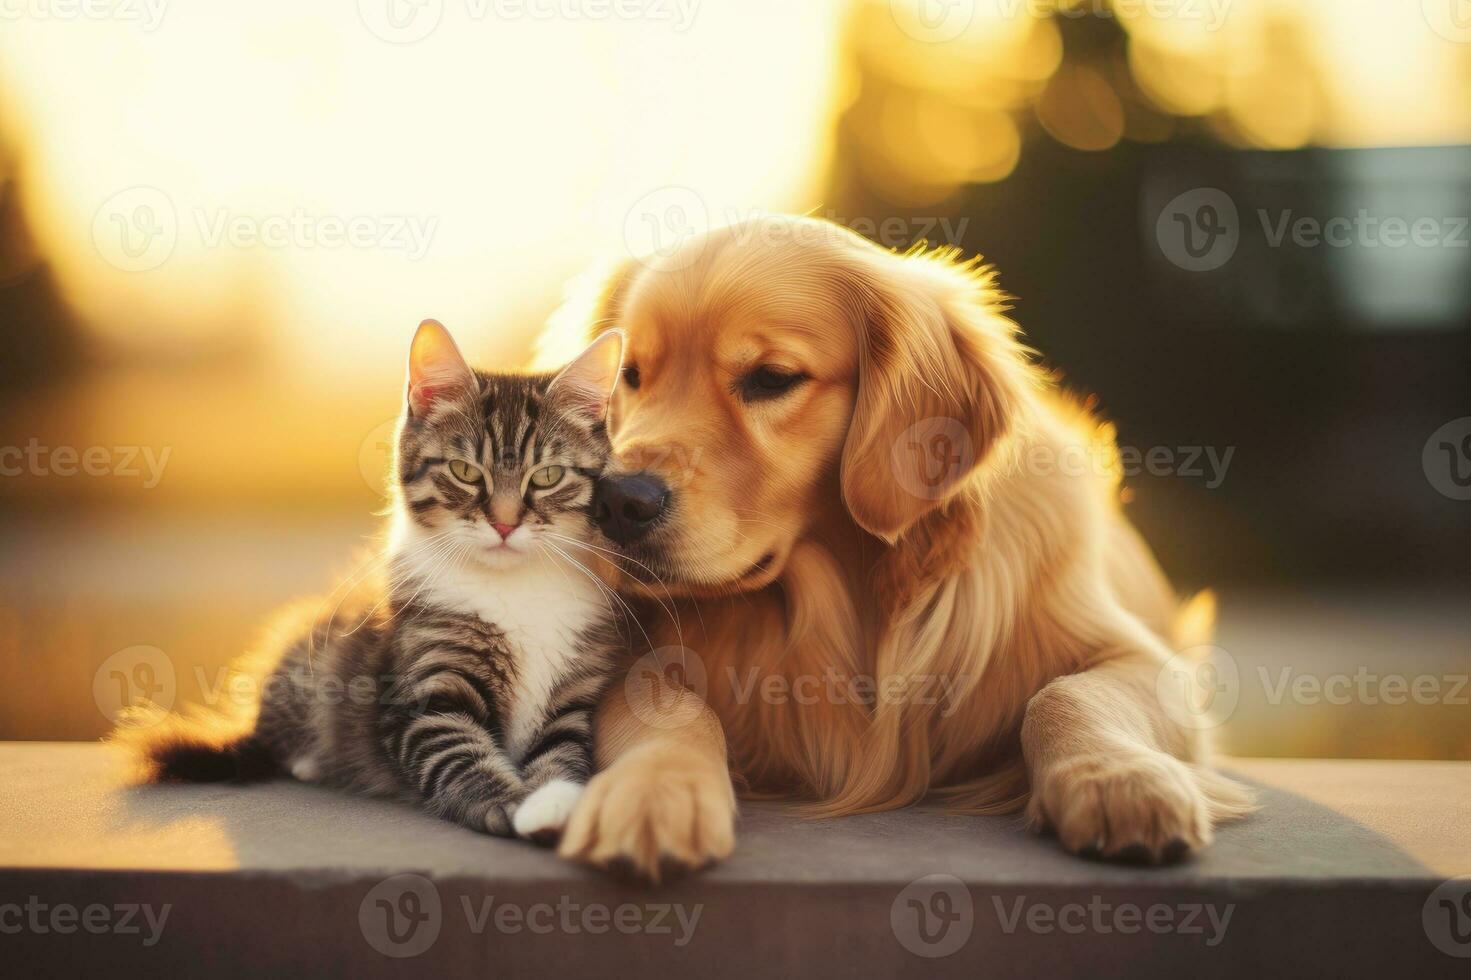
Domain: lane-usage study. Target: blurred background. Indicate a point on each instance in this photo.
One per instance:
(1240, 226)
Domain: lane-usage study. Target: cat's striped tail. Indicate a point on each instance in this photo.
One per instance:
(199, 747)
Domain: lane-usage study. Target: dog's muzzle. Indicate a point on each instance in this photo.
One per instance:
(626, 506)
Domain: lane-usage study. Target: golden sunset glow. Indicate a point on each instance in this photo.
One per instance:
(260, 139)
(221, 221)
(1269, 74)
(293, 212)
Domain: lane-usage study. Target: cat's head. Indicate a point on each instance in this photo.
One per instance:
(500, 467)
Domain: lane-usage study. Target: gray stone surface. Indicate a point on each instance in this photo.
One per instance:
(1335, 875)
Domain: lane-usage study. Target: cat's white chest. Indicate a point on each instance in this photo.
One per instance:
(541, 610)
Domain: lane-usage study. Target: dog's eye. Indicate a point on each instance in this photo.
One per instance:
(768, 382)
(630, 376)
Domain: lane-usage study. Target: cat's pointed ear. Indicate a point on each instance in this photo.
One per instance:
(437, 370)
(586, 385)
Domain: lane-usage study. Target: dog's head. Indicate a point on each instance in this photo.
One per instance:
(785, 373)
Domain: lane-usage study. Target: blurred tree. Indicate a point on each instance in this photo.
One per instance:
(41, 340)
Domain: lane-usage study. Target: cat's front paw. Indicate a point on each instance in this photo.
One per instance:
(497, 821)
(542, 815)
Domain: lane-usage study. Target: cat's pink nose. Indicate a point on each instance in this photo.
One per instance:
(504, 530)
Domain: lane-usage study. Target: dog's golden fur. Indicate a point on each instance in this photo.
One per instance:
(807, 540)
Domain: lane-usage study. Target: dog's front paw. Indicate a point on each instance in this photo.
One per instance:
(658, 809)
(1142, 807)
(542, 815)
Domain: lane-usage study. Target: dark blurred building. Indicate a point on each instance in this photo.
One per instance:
(1322, 362)
(40, 338)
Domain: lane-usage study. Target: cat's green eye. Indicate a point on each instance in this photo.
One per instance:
(547, 476)
(465, 472)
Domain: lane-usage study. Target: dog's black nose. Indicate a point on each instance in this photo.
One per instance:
(626, 506)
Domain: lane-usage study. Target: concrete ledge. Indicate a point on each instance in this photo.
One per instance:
(1338, 875)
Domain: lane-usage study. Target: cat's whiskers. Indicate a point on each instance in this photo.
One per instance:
(344, 591)
(364, 570)
(604, 588)
(542, 554)
(607, 601)
(607, 594)
(437, 554)
(447, 557)
(425, 558)
(608, 551)
(668, 609)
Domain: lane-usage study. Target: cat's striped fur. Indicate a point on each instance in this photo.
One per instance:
(467, 684)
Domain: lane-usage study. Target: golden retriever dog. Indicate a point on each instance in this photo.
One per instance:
(883, 559)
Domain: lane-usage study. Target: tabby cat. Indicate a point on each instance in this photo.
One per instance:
(467, 684)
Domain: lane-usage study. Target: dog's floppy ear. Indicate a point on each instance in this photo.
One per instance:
(941, 380)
